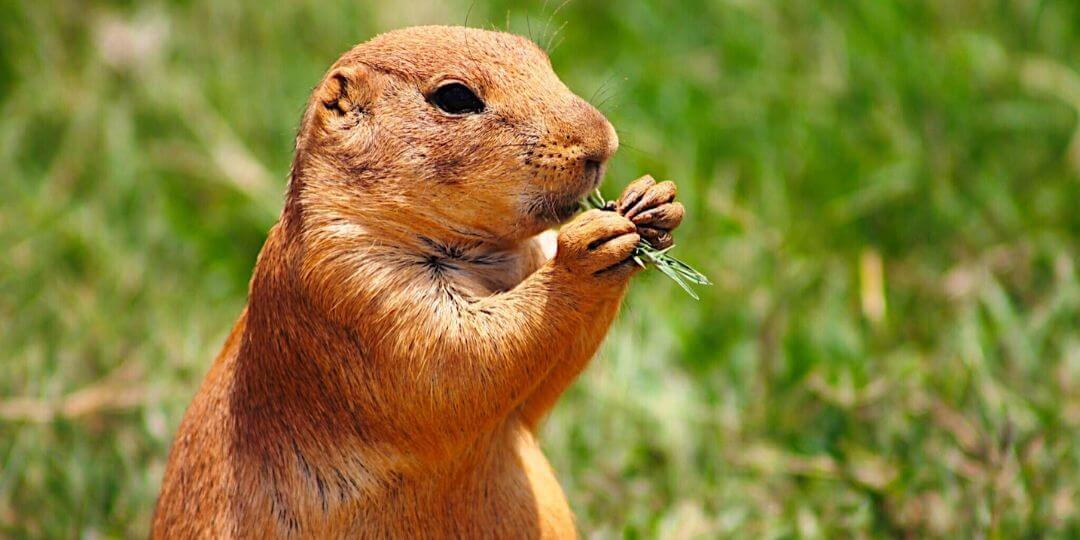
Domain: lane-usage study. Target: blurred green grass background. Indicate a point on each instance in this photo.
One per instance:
(886, 193)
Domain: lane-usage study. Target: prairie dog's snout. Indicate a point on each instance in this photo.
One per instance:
(599, 137)
(587, 134)
(570, 161)
(599, 140)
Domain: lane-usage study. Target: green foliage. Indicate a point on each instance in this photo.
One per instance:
(885, 194)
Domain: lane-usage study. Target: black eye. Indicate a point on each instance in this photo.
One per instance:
(456, 98)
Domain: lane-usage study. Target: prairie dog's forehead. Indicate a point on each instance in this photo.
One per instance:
(424, 52)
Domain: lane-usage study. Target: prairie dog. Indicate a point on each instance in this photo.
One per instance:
(405, 332)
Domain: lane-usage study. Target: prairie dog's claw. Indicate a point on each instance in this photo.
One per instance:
(633, 193)
(652, 208)
(656, 238)
(666, 216)
(656, 195)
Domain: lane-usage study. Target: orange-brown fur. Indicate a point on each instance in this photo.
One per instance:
(404, 332)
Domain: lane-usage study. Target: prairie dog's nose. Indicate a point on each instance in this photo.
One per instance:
(595, 134)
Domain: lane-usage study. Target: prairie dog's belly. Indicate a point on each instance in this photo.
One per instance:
(512, 494)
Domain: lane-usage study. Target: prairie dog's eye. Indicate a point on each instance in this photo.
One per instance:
(456, 98)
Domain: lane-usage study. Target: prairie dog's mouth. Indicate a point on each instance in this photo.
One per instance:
(558, 206)
(555, 208)
(594, 173)
(564, 213)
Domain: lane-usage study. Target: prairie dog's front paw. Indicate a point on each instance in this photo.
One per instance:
(596, 241)
(652, 207)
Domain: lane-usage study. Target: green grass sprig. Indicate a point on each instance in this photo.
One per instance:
(679, 272)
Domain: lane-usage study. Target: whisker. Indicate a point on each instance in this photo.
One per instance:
(469, 12)
(514, 145)
(623, 144)
(607, 98)
(548, 39)
(551, 17)
(558, 30)
(556, 47)
(638, 150)
(558, 9)
(543, 8)
(612, 91)
(601, 87)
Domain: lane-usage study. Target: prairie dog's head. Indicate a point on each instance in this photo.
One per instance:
(448, 131)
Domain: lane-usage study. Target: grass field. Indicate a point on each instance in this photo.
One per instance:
(886, 194)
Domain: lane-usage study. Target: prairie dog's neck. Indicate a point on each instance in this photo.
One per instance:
(419, 243)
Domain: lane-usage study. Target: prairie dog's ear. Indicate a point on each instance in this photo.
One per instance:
(347, 89)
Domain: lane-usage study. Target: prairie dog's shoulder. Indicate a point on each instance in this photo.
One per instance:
(197, 474)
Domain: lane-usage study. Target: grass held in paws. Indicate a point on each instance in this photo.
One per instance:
(645, 253)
